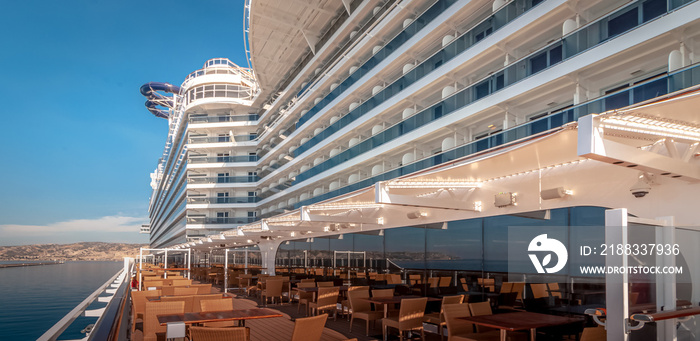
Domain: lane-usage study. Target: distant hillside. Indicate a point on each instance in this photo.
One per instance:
(76, 251)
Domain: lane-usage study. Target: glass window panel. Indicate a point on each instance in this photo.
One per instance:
(456, 248)
(538, 62)
(373, 246)
(405, 247)
(652, 9)
(622, 22)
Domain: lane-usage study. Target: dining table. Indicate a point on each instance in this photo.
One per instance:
(219, 316)
(521, 320)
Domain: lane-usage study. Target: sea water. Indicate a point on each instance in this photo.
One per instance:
(34, 298)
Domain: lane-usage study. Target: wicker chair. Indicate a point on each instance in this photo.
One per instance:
(273, 288)
(345, 303)
(459, 330)
(326, 300)
(410, 317)
(361, 309)
(202, 289)
(480, 309)
(439, 318)
(181, 282)
(506, 287)
(138, 302)
(152, 284)
(219, 334)
(197, 300)
(518, 287)
(185, 291)
(218, 305)
(445, 282)
(305, 297)
(309, 328)
(539, 290)
(167, 291)
(150, 320)
(188, 300)
(384, 293)
(244, 282)
(324, 284)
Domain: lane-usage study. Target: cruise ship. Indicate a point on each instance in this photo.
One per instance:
(439, 138)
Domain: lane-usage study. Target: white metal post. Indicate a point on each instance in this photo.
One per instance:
(246, 261)
(226, 271)
(616, 284)
(140, 267)
(666, 283)
(165, 264)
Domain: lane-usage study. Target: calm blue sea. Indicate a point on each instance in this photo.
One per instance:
(34, 298)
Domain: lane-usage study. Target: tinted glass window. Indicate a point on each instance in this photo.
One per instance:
(405, 247)
(622, 22)
(538, 62)
(652, 9)
(458, 247)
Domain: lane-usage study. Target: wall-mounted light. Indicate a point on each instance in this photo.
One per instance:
(416, 214)
(555, 193)
(504, 199)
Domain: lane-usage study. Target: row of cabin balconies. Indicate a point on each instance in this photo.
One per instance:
(450, 98)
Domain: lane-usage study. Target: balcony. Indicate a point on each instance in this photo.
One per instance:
(222, 200)
(220, 220)
(226, 118)
(222, 159)
(217, 139)
(222, 179)
(678, 80)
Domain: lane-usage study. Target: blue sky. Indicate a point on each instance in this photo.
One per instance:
(76, 141)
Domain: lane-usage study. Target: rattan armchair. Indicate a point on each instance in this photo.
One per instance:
(188, 300)
(185, 291)
(150, 319)
(439, 318)
(460, 330)
(305, 297)
(219, 334)
(138, 303)
(309, 328)
(197, 300)
(273, 289)
(326, 300)
(410, 317)
(362, 309)
(218, 305)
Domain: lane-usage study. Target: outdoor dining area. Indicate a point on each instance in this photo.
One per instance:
(233, 303)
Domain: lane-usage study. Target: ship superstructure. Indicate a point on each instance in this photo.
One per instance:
(345, 94)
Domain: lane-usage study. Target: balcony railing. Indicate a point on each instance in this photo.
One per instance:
(679, 80)
(217, 139)
(545, 58)
(220, 159)
(222, 220)
(411, 30)
(222, 200)
(222, 179)
(226, 118)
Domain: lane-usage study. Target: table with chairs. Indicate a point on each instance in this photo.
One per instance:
(455, 307)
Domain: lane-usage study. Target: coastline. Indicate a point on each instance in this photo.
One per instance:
(16, 265)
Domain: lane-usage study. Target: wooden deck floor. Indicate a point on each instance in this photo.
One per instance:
(273, 329)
